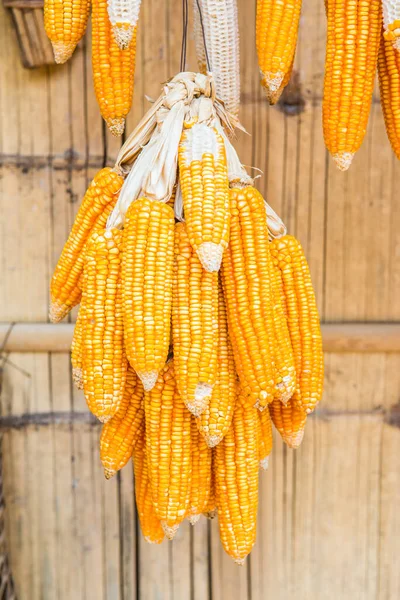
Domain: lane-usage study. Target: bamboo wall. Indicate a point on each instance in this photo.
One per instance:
(329, 522)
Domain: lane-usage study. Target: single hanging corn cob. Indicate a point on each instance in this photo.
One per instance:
(277, 26)
(216, 419)
(236, 482)
(391, 22)
(205, 190)
(265, 440)
(248, 295)
(124, 16)
(100, 198)
(194, 325)
(389, 83)
(354, 27)
(168, 447)
(77, 349)
(113, 70)
(121, 434)
(149, 523)
(200, 489)
(104, 358)
(303, 321)
(221, 31)
(65, 24)
(285, 372)
(289, 420)
(147, 272)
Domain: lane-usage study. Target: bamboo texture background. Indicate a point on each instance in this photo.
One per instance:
(329, 523)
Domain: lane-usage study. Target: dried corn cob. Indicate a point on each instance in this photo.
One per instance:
(285, 372)
(121, 434)
(389, 83)
(221, 31)
(149, 523)
(215, 420)
(277, 26)
(113, 70)
(147, 272)
(100, 198)
(236, 482)
(104, 358)
(289, 420)
(303, 320)
(168, 446)
(77, 349)
(194, 325)
(351, 57)
(265, 440)
(65, 24)
(124, 16)
(201, 475)
(248, 295)
(391, 22)
(205, 191)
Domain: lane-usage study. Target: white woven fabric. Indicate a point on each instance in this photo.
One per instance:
(123, 15)
(221, 30)
(391, 13)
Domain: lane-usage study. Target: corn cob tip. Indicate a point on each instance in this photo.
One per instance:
(150, 540)
(197, 406)
(193, 519)
(104, 418)
(211, 514)
(272, 81)
(264, 463)
(57, 312)
(240, 561)
(116, 126)
(210, 255)
(273, 96)
(170, 532)
(62, 51)
(77, 377)
(203, 390)
(294, 440)
(123, 34)
(396, 44)
(343, 160)
(213, 440)
(149, 380)
(108, 473)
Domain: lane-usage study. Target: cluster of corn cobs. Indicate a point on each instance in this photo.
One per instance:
(363, 35)
(114, 24)
(194, 334)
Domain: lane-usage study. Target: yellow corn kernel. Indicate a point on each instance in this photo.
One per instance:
(194, 325)
(236, 482)
(303, 321)
(277, 25)
(104, 358)
(100, 198)
(354, 28)
(285, 372)
(290, 421)
(113, 70)
(265, 440)
(147, 272)
(168, 447)
(149, 523)
(65, 24)
(215, 420)
(200, 489)
(120, 435)
(389, 83)
(205, 191)
(77, 349)
(248, 295)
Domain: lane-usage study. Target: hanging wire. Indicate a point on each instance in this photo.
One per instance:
(185, 18)
(204, 36)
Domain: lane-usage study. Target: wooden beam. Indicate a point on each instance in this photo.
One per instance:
(338, 338)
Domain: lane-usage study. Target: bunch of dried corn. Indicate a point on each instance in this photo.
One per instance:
(114, 27)
(193, 408)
